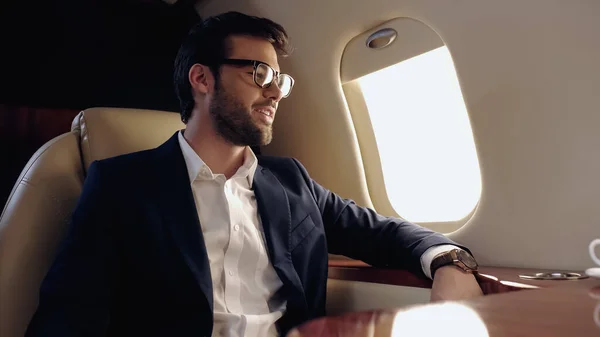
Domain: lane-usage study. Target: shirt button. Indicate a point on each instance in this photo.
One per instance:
(230, 273)
(236, 227)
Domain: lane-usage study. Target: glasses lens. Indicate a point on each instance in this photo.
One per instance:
(263, 75)
(285, 84)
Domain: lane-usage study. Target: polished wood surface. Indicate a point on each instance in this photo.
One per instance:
(572, 310)
(513, 306)
(352, 270)
(491, 279)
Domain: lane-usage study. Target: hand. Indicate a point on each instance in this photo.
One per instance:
(451, 283)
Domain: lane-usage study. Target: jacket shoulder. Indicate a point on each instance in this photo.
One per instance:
(124, 166)
(285, 168)
(273, 161)
(280, 164)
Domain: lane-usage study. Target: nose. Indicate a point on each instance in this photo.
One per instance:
(273, 92)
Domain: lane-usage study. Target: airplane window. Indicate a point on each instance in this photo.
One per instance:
(423, 134)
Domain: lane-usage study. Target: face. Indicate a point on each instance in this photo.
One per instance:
(242, 112)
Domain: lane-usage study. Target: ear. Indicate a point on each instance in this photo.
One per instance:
(201, 78)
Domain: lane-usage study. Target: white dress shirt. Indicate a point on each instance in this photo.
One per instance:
(244, 281)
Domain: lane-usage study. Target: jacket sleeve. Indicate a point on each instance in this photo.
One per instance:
(75, 295)
(360, 233)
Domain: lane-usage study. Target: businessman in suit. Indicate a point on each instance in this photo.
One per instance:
(200, 237)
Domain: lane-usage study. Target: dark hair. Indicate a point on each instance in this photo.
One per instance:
(206, 44)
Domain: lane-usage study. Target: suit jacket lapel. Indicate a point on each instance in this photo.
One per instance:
(274, 210)
(180, 213)
(181, 217)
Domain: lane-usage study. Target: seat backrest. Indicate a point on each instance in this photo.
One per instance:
(39, 207)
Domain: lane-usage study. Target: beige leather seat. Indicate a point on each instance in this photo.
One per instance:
(40, 205)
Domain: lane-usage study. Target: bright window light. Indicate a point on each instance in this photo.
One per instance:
(417, 321)
(424, 138)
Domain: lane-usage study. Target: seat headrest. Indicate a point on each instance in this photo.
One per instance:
(109, 132)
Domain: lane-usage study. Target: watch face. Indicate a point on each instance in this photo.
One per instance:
(467, 259)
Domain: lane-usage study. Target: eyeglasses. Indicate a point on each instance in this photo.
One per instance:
(264, 75)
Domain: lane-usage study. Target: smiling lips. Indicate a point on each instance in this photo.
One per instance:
(266, 113)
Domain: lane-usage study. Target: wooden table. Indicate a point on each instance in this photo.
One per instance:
(512, 307)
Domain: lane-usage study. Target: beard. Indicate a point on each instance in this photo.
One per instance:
(233, 121)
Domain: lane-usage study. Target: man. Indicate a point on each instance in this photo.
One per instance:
(199, 237)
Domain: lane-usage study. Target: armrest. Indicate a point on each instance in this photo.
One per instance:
(492, 280)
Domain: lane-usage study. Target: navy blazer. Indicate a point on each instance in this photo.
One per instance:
(134, 261)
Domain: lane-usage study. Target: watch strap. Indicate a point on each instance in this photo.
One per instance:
(440, 260)
(451, 257)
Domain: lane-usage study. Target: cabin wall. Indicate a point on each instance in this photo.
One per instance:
(529, 75)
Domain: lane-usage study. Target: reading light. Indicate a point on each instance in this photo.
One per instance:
(381, 38)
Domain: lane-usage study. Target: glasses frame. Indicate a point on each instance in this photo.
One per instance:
(255, 64)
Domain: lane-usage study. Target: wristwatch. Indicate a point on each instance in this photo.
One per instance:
(456, 257)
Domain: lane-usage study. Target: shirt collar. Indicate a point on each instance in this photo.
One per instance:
(196, 166)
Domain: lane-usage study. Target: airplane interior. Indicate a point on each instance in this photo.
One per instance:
(476, 119)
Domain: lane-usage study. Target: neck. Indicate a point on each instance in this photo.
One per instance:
(220, 155)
